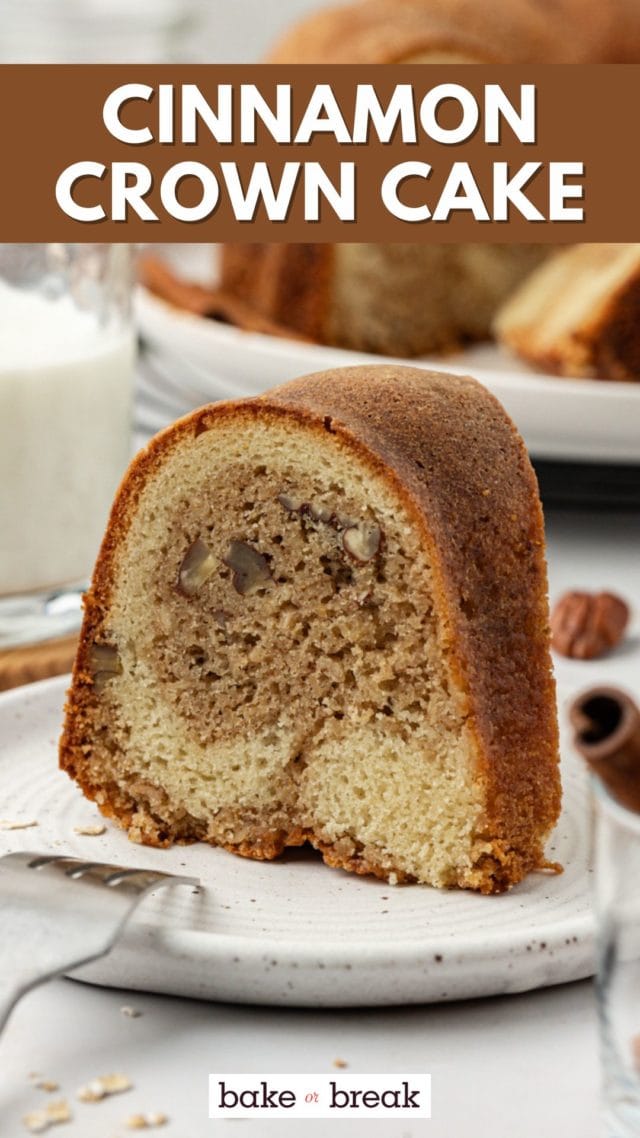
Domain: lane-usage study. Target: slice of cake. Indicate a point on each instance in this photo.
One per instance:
(321, 616)
(579, 313)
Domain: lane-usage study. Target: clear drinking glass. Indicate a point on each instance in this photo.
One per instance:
(617, 861)
(66, 366)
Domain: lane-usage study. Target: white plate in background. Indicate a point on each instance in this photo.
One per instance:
(293, 931)
(575, 419)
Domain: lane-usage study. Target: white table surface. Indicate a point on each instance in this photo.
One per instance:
(512, 1067)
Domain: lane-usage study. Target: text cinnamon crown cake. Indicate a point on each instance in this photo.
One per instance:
(321, 616)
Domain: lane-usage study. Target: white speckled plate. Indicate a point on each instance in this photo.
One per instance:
(294, 931)
(579, 419)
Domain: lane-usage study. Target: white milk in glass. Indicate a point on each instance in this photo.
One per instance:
(65, 391)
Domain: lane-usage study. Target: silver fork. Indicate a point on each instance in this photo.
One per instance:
(59, 912)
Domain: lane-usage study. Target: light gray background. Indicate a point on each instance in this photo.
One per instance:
(138, 31)
(243, 30)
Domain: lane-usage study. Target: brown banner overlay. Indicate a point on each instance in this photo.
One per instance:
(499, 153)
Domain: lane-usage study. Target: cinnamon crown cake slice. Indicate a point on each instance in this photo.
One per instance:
(579, 314)
(321, 616)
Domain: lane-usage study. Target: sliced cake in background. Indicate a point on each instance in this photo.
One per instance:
(579, 314)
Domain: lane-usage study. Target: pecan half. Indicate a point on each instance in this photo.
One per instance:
(251, 570)
(586, 625)
(104, 663)
(197, 566)
(362, 541)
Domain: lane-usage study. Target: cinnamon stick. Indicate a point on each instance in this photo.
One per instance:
(606, 724)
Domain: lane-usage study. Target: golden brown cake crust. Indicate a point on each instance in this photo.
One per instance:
(394, 31)
(496, 31)
(614, 342)
(461, 471)
(288, 284)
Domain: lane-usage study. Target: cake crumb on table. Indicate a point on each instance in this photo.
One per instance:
(129, 1012)
(48, 1085)
(90, 831)
(7, 824)
(340, 1063)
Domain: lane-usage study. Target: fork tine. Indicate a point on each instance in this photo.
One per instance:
(67, 911)
(109, 874)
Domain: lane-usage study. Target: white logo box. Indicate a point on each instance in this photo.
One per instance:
(320, 1096)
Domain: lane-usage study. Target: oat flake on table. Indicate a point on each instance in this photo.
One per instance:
(97, 1089)
(37, 1121)
(146, 1121)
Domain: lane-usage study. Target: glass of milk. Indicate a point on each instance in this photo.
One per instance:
(66, 364)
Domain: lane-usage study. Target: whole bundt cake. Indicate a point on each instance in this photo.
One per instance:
(410, 299)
